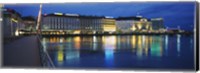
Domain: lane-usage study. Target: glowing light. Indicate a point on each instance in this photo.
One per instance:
(109, 17)
(94, 39)
(72, 57)
(77, 32)
(178, 44)
(139, 42)
(1, 19)
(14, 20)
(111, 28)
(58, 13)
(133, 41)
(110, 42)
(156, 47)
(61, 40)
(60, 56)
(109, 53)
(146, 45)
(16, 33)
(139, 26)
(166, 44)
(71, 14)
(77, 41)
(133, 28)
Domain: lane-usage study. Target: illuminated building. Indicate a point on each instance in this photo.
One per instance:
(109, 25)
(157, 24)
(91, 24)
(11, 23)
(71, 23)
(143, 25)
(29, 23)
(60, 21)
(126, 24)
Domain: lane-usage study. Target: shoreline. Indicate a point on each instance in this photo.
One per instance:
(113, 34)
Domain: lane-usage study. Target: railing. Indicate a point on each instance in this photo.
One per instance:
(44, 56)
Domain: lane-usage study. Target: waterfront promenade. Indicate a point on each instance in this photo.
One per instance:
(22, 52)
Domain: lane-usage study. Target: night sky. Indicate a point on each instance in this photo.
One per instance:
(174, 13)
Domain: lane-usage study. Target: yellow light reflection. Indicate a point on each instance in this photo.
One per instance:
(146, 45)
(139, 46)
(139, 42)
(60, 56)
(77, 41)
(133, 41)
(110, 42)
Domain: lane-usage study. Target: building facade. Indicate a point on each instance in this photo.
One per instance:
(91, 24)
(11, 23)
(157, 23)
(109, 25)
(126, 24)
(71, 23)
(143, 25)
(29, 23)
(133, 24)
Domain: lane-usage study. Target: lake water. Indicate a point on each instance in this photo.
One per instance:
(122, 52)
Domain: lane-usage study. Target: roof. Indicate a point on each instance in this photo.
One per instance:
(128, 18)
(71, 15)
(12, 11)
(31, 18)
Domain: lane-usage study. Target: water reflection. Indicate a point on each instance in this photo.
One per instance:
(109, 46)
(178, 44)
(111, 51)
(156, 46)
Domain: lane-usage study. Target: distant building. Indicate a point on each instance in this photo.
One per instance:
(71, 23)
(91, 24)
(11, 23)
(109, 24)
(60, 21)
(143, 25)
(125, 24)
(157, 24)
(29, 23)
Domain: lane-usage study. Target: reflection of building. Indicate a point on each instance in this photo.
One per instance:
(156, 46)
(157, 23)
(11, 22)
(30, 23)
(109, 25)
(125, 24)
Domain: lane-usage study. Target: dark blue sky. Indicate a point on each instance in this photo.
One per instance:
(174, 13)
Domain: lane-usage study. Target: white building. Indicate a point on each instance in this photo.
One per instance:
(126, 24)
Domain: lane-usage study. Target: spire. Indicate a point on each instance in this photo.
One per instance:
(39, 18)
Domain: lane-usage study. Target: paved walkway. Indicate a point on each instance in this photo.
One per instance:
(23, 52)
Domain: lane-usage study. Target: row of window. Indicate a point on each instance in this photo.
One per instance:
(69, 23)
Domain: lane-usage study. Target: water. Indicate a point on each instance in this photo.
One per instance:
(122, 52)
